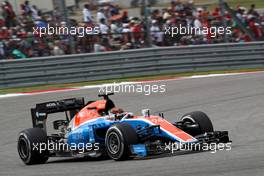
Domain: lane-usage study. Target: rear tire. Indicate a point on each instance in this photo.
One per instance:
(118, 139)
(28, 146)
(200, 118)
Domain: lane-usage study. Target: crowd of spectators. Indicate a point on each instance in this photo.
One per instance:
(117, 30)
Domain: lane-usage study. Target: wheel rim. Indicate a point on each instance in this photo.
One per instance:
(114, 143)
(188, 119)
(23, 148)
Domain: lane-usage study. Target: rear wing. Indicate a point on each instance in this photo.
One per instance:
(69, 106)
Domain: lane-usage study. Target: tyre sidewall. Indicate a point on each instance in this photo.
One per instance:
(120, 135)
(24, 137)
(33, 137)
(204, 122)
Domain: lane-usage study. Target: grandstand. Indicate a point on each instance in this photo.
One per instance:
(118, 30)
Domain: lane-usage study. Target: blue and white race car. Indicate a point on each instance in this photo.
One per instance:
(98, 128)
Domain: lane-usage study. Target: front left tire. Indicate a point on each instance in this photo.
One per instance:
(118, 139)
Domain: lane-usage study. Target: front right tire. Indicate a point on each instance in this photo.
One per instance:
(201, 119)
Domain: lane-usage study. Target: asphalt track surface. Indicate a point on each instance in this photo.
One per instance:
(234, 103)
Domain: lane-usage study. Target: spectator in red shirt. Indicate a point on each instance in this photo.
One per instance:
(255, 27)
(217, 14)
(136, 30)
(4, 33)
(9, 14)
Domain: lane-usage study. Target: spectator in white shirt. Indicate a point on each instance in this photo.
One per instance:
(87, 17)
(34, 11)
(156, 33)
(100, 15)
(126, 28)
(198, 26)
(104, 29)
(98, 48)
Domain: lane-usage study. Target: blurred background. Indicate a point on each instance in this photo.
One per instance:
(123, 24)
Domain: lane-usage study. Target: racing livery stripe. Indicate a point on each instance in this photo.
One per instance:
(164, 124)
(172, 131)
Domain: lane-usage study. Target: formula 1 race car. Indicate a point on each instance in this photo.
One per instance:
(98, 128)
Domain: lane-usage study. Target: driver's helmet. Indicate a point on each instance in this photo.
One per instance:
(116, 110)
(116, 113)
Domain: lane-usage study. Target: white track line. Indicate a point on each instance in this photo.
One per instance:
(11, 95)
(123, 83)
